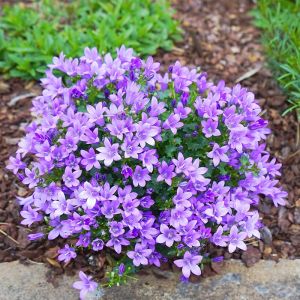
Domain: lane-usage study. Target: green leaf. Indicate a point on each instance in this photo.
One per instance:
(31, 35)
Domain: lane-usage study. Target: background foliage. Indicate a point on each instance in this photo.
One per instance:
(280, 22)
(31, 35)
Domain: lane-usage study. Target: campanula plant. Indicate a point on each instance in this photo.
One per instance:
(152, 166)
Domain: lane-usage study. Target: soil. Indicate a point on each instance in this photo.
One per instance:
(219, 37)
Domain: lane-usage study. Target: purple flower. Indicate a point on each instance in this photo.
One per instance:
(107, 192)
(181, 84)
(91, 194)
(130, 206)
(116, 228)
(140, 176)
(89, 136)
(35, 236)
(97, 244)
(108, 153)
(167, 236)
(71, 178)
(260, 123)
(212, 111)
(30, 178)
(189, 264)
(149, 159)
(125, 55)
(166, 173)
(72, 162)
(156, 108)
(139, 255)
(89, 159)
(191, 238)
(131, 148)
(59, 153)
(217, 259)
(181, 199)
(218, 238)
(69, 142)
(117, 128)
(163, 81)
(117, 243)
(110, 208)
(146, 202)
(217, 211)
(238, 138)
(121, 269)
(85, 285)
(145, 133)
(126, 171)
(218, 154)
(30, 216)
(154, 259)
(150, 67)
(66, 254)
(91, 55)
(62, 229)
(179, 217)
(210, 128)
(182, 111)
(183, 165)
(44, 150)
(95, 114)
(278, 196)
(16, 164)
(61, 206)
(250, 226)
(236, 239)
(173, 123)
(84, 240)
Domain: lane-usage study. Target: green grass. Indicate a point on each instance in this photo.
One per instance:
(30, 35)
(280, 24)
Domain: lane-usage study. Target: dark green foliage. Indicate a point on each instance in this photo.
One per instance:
(31, 35)
(280, 23)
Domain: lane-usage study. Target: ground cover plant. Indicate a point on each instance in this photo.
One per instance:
(279, 21)
(151, 167)
(31, 34)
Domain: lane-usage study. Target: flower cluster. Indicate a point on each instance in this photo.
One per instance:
(152, 166)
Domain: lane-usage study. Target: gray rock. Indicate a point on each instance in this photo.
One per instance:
(20, 282)
(266, 280)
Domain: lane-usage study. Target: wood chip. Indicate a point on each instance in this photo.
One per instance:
(248, 74)
(16, 99)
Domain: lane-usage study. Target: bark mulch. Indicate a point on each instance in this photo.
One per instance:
(220, 38)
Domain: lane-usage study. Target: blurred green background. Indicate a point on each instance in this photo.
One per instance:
(31, 34)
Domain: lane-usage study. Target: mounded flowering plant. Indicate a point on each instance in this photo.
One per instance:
(150, 166)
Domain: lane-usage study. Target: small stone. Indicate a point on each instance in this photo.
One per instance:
(235, 49)
(295, 239)
(268, 250)
(217, 266)
(266, 235)
(251, 256)
(23, 237)
(297, 215)
(295, 229)
(4, 87)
